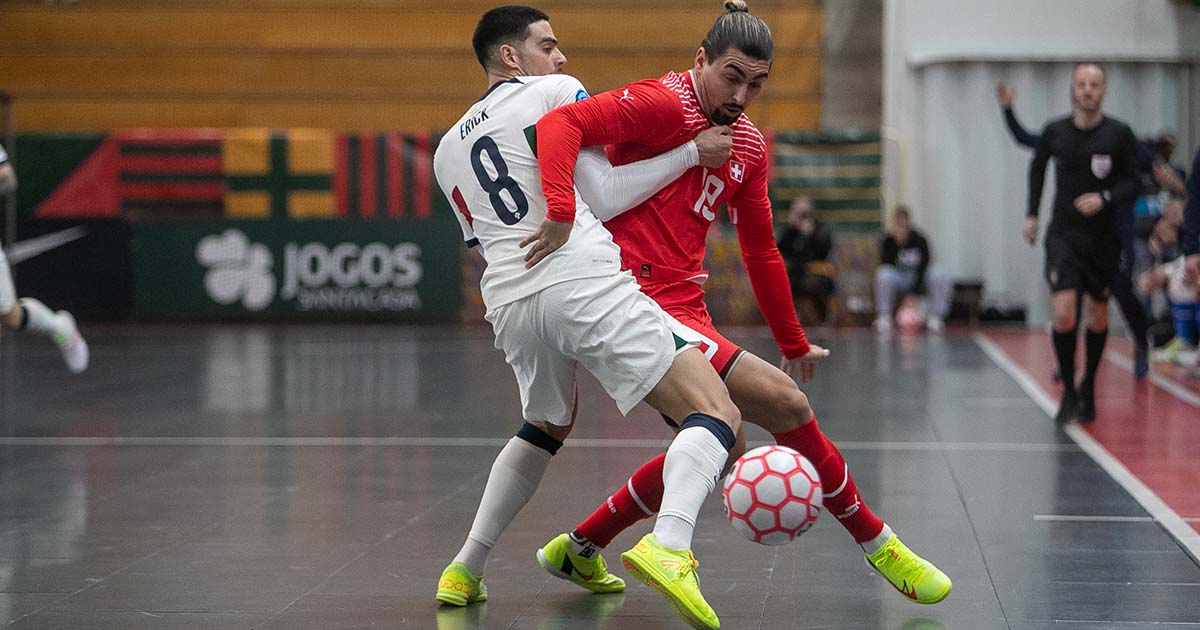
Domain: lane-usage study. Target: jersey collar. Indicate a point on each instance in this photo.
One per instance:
(496, 85)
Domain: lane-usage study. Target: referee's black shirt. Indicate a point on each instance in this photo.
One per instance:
(1102, 159)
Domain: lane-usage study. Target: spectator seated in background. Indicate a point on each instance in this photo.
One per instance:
(904, 268)
(1168, 273)
(1185, 310)
(805, 245)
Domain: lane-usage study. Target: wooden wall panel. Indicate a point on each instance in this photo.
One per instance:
(370, 64)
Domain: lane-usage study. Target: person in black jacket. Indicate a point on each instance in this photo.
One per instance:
(1132, 309)
(1096, 173)
(904, 268)
(805, 246)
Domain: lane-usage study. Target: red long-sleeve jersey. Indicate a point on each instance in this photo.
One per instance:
(663, 240)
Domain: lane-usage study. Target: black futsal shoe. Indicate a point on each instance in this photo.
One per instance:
(1068, 408)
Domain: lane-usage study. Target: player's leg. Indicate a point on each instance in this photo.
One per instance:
(663, 559)
(629, 344)
(888, 284)
(1094, 341)
(1134, 313)
(772, 400)
(1064, 334)
(546, 380)
(938, 286)
(32, 316)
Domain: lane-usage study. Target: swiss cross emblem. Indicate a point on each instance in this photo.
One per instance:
(737, 170)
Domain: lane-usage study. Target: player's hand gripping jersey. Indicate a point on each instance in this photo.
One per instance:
(663, 239)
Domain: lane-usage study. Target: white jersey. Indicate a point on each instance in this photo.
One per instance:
(487, 167)
(3, 155)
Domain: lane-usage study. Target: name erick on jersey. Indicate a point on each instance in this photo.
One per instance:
(663, 240)
(487, 167)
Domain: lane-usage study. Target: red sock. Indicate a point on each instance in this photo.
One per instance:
(626, 507)
(841, 495)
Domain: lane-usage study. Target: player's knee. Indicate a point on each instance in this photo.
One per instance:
(1064, 320)
(739, 449)
(793, 406)
(729, 412)
(544, 435)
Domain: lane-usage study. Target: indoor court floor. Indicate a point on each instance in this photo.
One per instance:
(320, 477)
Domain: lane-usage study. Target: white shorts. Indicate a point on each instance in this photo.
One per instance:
(606, 323)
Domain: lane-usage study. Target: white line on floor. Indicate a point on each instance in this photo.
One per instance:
(1082, 518)
(1183, 533)
(1179, 391)
(494, 443)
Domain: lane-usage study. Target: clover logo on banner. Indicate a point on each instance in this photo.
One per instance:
(238, 270)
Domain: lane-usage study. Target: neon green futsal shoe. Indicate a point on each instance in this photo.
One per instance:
(457, 587)
(559, 560)
(671, 572)
(915, 577)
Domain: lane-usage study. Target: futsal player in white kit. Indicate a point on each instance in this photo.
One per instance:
(556, 303)
(30, 315)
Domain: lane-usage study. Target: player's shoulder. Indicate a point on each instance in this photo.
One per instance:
(557, 85)
(747, 137)
(743, 127)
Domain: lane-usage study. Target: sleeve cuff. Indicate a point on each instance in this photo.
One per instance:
(561, 217)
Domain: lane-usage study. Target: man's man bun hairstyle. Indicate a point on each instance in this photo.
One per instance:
(740, 30)
(503, 25)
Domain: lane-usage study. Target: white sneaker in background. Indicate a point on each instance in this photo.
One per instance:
(74, 349)
(883, 325)
(935, 325)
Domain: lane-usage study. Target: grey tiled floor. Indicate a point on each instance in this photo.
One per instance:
(320, 477)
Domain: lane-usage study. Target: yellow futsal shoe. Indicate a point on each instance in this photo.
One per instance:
(559, 560)
(671, 572)
(457, 587)
(915, 577)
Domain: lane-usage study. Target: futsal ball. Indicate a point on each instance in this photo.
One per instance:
(908, 319)
(772, 495)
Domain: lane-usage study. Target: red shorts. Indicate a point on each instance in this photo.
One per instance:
(685, 302)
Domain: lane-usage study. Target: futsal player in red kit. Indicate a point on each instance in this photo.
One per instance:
(662, 243)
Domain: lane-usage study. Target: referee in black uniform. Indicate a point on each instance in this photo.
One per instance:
(1096, 169)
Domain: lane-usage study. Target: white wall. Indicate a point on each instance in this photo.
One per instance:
(948, 154)
(1150, 30)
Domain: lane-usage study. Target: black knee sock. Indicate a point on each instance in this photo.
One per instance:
(1064, 350)
(1094, 342)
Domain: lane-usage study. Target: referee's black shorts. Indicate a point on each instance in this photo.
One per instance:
(1075, 266)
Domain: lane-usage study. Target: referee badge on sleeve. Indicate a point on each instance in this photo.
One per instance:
(1101, 165)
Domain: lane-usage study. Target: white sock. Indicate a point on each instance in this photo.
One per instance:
(690, 472)
(39, 320)
(515, 476)
(876, 543)
(8, 295)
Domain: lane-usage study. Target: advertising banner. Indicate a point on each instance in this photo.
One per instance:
(403, 271)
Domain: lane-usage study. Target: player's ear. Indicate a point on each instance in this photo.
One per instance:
(507, 56)
(701, 58)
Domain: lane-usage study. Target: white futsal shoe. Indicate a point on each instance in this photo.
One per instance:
(74, 349)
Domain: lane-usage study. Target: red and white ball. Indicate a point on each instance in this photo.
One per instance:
(772, 495)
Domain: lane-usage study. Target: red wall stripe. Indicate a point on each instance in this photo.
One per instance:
(170, 163)
(173, 192)
(366, 176)
(422, 173)
(341, 177)
(395, 175)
